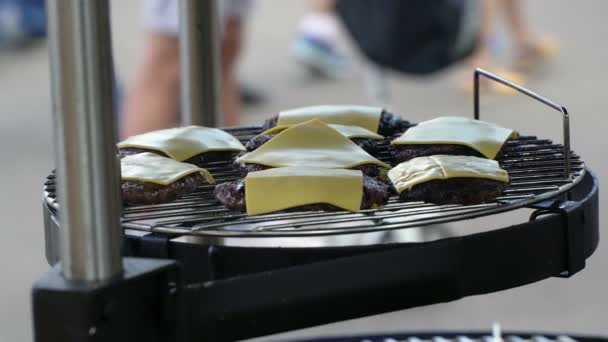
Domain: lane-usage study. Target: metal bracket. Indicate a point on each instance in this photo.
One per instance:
(559, 108)
(143, 305)
(573, 216)
(154, 246)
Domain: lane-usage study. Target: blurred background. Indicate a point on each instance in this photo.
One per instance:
(575, 76)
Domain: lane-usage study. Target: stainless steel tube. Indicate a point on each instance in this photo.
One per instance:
(200, 62)
(86, 159)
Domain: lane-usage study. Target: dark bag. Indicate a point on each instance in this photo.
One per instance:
(412, 36)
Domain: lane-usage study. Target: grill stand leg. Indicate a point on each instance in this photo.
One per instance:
(143, 306)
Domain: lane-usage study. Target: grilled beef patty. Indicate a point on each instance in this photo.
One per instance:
(368, 145)
(232, 196)
(140, 193)
(389, 123)
(198, 160)
(371, 170)
(403, 153)
(465, 191)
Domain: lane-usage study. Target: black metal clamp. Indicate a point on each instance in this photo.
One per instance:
(576, 216)
(573, 217)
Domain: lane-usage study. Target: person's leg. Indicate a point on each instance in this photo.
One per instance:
(528, 50)
(323, 6)
(517, 23)
(153, 99)
(481, 55)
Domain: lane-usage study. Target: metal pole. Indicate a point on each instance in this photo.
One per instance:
(86, 159)
(200, 62)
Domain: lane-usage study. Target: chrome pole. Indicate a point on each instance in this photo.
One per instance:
(200, 62)
(86, 159)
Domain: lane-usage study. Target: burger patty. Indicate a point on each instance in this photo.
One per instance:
(403, 153)
(390, 123)
(368, 145)
(140, 193)
(371, 170)
(465, 191)
(199, 160)
(232, 196)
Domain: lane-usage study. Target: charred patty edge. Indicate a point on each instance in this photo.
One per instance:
(389, 124)
(144, 193)
(465, 191)
(199, 160)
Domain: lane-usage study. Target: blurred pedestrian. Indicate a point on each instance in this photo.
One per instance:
(153, 99)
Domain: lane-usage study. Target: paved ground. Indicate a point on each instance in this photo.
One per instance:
(577, 79)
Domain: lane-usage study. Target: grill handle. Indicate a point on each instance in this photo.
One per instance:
(559, 108)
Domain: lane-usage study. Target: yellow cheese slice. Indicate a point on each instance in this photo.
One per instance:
(288, 187)
(362, 116)
(423, 169)
(150, 167)
(310, 144)
(347, 131)
(485, 137)
(184, 142)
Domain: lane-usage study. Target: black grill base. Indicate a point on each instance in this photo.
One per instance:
(238, 293)
(234, 293)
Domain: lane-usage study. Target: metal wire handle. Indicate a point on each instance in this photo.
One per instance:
(559, 108)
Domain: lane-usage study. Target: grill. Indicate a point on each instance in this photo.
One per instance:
(203, 273)
(246, 276)
(539, 170)
(536, 167)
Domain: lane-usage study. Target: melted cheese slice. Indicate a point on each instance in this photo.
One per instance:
(150, 167)
(310, 144)
(362, 116)
(484, 137)
(347, 131)
(423, 169)
(288, 187)
(184, 142)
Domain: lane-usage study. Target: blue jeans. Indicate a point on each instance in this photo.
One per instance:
(31, 15)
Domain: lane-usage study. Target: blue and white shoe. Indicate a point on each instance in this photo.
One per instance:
(320, 57)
